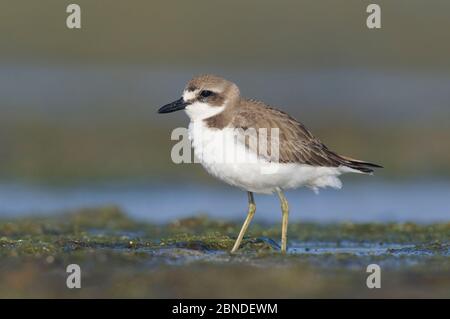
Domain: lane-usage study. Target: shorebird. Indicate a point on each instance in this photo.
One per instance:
(220, 120)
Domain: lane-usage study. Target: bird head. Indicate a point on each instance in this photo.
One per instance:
(205, 96)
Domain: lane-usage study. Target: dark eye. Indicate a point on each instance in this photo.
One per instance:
(206, 93)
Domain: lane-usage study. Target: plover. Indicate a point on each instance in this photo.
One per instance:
(220, 120)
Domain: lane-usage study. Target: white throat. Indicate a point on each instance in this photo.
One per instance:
(200, 111)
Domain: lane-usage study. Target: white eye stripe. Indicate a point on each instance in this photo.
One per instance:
(190, 95)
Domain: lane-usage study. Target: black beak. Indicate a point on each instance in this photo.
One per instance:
(177, 105)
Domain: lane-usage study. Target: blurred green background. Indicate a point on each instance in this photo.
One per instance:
(80, 105)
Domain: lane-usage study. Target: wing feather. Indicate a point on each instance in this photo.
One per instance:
(296, 143)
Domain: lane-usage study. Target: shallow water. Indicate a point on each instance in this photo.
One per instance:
(357, 249)
(372, 201)
(190, 258)
(344, 255)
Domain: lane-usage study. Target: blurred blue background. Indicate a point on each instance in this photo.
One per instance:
(78, 122)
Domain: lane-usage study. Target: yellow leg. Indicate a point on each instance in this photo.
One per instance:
(284, 224)
(251, 213)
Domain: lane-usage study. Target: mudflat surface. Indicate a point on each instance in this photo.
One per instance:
(189, 258)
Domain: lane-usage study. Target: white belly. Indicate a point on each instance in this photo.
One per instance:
(230, 161)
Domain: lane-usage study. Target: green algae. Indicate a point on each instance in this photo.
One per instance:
(121, 257)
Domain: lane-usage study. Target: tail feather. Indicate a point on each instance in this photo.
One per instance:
(362, 166)
(365, 167)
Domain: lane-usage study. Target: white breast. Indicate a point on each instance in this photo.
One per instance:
(229, 160)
